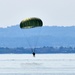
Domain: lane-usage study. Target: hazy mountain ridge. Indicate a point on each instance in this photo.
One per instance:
(45, 36)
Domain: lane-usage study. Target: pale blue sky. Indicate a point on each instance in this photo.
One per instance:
(52, 12)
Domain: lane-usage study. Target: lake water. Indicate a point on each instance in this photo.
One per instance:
(41, 64)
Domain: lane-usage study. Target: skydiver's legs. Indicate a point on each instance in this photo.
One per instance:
(33, 54)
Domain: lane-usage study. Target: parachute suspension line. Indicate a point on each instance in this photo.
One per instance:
(36, 41)
(27, 41)
(38, 38)
(29, 44)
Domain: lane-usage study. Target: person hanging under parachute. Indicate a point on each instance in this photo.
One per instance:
(31, 23)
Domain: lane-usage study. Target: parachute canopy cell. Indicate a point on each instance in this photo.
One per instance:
(31, 23)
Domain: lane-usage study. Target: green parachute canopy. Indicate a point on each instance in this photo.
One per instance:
(31, 23)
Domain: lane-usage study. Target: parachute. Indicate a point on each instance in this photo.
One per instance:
(31, 23)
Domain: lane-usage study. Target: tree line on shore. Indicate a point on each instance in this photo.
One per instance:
(39, 50)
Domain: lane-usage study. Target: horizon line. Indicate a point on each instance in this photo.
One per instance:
(42, 26)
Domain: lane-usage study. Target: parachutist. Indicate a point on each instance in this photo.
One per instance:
(33, 54)
(28, 23)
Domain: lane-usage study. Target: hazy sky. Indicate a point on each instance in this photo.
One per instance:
(52, 12)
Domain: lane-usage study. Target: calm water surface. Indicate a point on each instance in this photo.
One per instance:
(42, 64)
